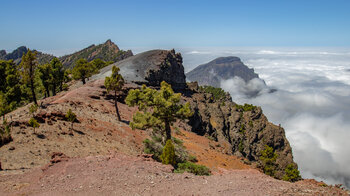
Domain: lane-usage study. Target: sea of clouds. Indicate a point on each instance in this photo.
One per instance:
(312, 101)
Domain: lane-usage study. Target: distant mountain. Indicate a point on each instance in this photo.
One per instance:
(222, 68)
(17, 54)
(107, 51)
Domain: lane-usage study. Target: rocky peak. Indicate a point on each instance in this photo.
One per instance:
(151, 68)
(223, 68)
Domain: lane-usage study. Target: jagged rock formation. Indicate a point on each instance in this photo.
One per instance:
(107, 51)
(17, 54)
(223, 68)
(151, 68)
(247, 131)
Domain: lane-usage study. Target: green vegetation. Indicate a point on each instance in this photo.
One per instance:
(71, 117)
(28, 68)
(33, 123)
(217, 93)
(192, 168)
(292, 174)
(241, 147)
(83, 70)
(159, 109)
(268, 157)
(246, 107)
(58, 75)
(99, 64)
(5, 133)
(115, 83)
(242, 129)
(168, 155)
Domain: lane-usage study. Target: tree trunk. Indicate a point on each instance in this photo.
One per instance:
(72, 126)
(167, 130)
(61, 86)
(116, 106)
(47, 91)
(54, 90)
(33, 91)
(83, 80)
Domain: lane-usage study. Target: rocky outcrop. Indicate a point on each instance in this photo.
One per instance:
(107, 51)
(151, 68)
(223, 68)
(246, 129)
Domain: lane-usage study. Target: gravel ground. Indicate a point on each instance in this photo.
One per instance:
(120, 174)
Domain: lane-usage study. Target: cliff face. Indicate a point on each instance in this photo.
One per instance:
(223, 68)
(247, 131)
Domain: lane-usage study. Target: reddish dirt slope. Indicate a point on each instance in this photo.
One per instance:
(120, 174)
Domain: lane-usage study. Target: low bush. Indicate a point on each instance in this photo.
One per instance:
(190, 167)
(292, 174)
(217, 93)
(168, 154)
(268, 158)
(246, 107)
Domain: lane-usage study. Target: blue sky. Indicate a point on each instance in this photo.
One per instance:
(72, 24)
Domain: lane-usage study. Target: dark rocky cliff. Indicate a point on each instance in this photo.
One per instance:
(151, 68)
(223, 68)
(246, 130)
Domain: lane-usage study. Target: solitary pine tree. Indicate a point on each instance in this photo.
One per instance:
(81, 70)
(159, 109)
(28, 67)
(115, 83)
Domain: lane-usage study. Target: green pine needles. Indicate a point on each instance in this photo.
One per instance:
(168, 155)
(115, 83)
(159, 109)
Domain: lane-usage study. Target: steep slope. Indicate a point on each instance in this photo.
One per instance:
(107, 51)
(223, 68)
(17, 54)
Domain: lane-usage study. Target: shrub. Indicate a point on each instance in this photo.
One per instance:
(154, 148)
(192, 158)
(292, 174)
(5, 133)
(193, 168)
(33, 123)
(246, 107)
(268, 158)
(217, 93)
(168, 155)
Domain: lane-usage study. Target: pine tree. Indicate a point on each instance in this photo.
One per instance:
(159, 109)
(28, 67)
(115, 83)
(46, 77)
(57, 75)
(83, 70)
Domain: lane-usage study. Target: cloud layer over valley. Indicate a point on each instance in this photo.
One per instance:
(312, 101)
